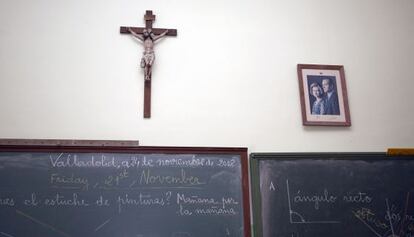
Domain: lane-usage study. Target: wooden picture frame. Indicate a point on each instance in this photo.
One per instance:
(323, 95)
(119, 187)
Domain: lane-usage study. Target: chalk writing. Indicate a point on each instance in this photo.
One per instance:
(370, 217)
(393, 214)
(228, 201)
(315, 199)
(183, 199)
(114, 180)
(139, 200)
(7, 201)
(210, 205)
(207, 211)
(409, 217)
(168, 196)
(134, 162)
(147, 162)
(180, 162)
(215, 211)
(149, 178)
(69, 161)
(101, 201)
(391, 225)
(32, 201)
(272, 187)
(226, 163)
(297, 218)
(184, 212)
(60, 179)
(60, 200)
(360, 197)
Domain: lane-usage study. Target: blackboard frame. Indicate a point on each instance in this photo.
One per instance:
(122, 148)
(255, 158)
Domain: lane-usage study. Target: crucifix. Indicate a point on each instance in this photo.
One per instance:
(148, 36)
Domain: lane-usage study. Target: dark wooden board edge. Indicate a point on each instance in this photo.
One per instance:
(328, 155)
(246, 193)
(256, 198)
(67, 142)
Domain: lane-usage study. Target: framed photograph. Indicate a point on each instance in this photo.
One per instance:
(323, 95)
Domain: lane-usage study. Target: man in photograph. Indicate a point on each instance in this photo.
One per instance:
(331, 97)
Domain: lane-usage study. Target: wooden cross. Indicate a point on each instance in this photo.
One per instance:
(149, 19)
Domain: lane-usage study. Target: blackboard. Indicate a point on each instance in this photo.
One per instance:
(341, 195)
(123, 192)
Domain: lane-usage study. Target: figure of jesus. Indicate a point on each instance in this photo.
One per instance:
(148, 38)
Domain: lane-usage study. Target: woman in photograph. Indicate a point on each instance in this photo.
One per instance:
(318, 106)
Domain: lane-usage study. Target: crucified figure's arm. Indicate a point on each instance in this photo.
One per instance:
(136, 36)
(160, 36)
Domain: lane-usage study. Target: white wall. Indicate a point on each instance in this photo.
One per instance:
(228, 78)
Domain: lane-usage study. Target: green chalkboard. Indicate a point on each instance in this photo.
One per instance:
(333, 194)
(123, 192)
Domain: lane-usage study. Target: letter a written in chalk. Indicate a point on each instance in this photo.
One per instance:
(272, 187)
